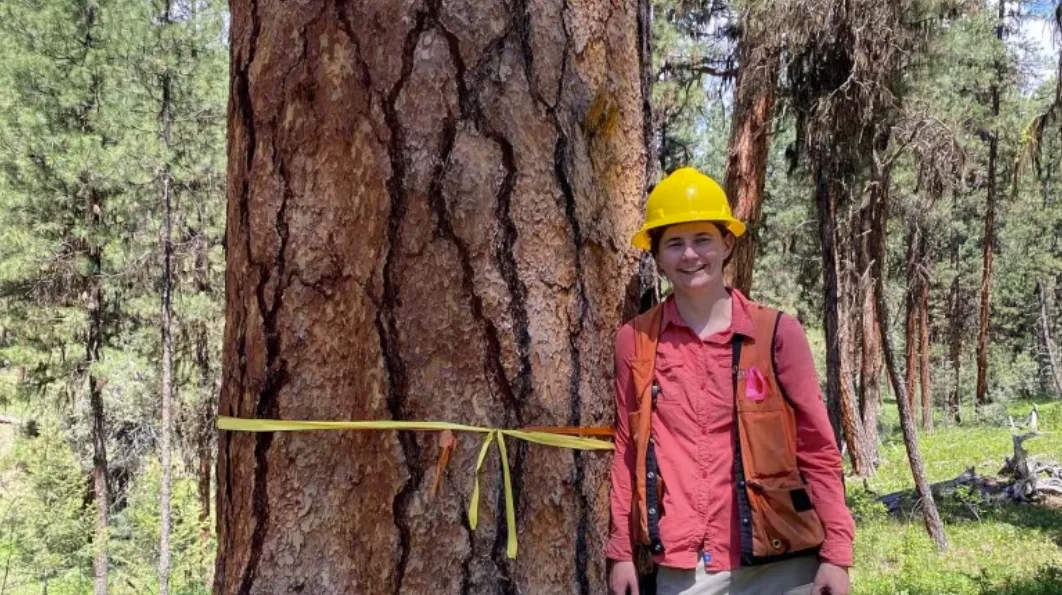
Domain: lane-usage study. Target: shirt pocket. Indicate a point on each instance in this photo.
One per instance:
(670, 375)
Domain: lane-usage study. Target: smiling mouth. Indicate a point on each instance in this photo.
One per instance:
(693, 270)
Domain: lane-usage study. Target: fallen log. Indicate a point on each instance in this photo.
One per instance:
(894, 502)
(1022, 478)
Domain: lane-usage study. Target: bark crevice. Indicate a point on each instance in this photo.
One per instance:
(386, 322)
(267, 406)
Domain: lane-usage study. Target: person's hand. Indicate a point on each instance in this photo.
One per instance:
(831, 580)
(623, 576)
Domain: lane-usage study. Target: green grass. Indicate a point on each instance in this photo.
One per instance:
(997, 549)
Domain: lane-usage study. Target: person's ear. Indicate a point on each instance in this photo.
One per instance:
(730, 240)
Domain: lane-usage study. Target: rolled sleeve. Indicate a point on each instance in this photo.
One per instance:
(817, 454)
(620, 547)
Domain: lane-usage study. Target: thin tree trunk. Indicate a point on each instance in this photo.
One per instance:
(207, 386)
(166, 242)
(911, 319)
(205, 420)
(428, 210)
(203, 481)
(955, 328)
(990, 232)
(746, 168)
(907, 424)
(839, 398)
(923, 350)
(99, 426)
(1049, 345)
(870, 352)
(860, 450)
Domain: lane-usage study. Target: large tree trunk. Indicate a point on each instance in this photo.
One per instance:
(429, 208)
(990, 232)
(930, 514)
(746, 167)
(93, 347)
(839, 398)
(166, 241)
(1054, 367)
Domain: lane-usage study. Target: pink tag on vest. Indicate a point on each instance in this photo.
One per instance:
(755, 385)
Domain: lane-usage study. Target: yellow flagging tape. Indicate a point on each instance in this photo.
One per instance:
(238, 424)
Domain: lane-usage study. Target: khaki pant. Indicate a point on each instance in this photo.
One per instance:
(788, 577)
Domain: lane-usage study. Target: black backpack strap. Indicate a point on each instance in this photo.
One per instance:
(652, 500)
(742, 495)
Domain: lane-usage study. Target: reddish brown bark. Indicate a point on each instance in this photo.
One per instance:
(429, 212)
(746, 168)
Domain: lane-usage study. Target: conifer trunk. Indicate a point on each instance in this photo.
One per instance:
(930, 515)
(911, 300)
(205, 417)
(430, 205)
(166, 242)
(844, 416)
(93, 347)
(870, 346)
(955, 332)
(746, 168)
(990, 230)
(1054, 367)
(923, 349)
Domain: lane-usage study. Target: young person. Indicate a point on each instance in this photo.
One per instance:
(725, 465)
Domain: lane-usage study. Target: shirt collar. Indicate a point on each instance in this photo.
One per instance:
(740, 319)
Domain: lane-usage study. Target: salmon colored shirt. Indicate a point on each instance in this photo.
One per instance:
(694, 431)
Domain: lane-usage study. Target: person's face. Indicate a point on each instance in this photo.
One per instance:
(691, 255)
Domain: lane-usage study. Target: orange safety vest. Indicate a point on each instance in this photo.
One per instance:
(778, 520)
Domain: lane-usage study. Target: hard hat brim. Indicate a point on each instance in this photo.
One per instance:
(642, 242)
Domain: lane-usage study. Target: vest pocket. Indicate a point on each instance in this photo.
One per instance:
(784, 517)
(766, 446)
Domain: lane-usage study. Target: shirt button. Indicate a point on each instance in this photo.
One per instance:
(704, 475)
(702, 386)
(704, 431)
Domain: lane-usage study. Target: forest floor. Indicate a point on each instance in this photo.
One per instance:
(995, 549)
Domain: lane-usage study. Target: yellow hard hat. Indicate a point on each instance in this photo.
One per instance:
(685, 196)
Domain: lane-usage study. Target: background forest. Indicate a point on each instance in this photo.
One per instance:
(935, 160)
